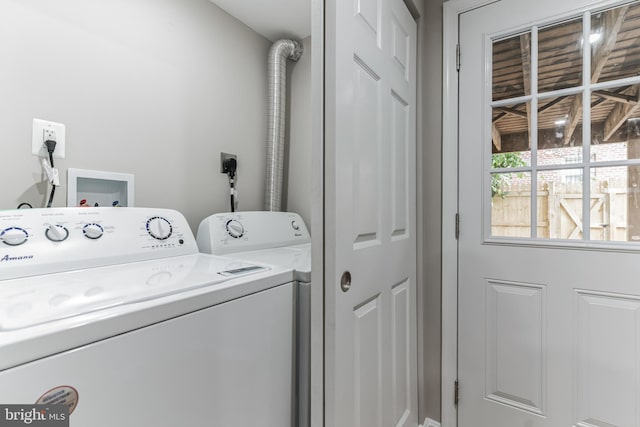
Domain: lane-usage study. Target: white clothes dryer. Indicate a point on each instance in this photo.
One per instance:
(274, 238)
(114, 313)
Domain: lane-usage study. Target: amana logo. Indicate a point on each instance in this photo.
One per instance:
(8, 258)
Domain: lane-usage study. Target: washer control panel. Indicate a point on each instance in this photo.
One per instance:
(41, 241)
(227, 233)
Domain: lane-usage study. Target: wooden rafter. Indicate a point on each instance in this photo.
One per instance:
(620, 114)
(548, 138)
(499, 117)
(551, 104)
(525, 53)
(496, 137)
(617, 97)
(512, 111)
(573, 118)
(613, 20)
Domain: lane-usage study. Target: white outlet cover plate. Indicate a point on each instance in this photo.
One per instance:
(37, 138)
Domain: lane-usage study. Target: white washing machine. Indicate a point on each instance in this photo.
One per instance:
(114, 313)
(275, 238)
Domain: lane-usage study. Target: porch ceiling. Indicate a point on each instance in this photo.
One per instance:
(615, 54)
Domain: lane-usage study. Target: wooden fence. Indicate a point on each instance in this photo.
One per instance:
(560, 211)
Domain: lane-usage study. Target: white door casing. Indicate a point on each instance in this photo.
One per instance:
(370, 216)
(547, 336)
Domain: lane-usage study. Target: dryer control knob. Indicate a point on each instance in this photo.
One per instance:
(93, 231)
(159, 228)
(235, 228)
(14, 236)
(56, 233)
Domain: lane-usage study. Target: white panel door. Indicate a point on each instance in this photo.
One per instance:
(549, 329)
(371, 368)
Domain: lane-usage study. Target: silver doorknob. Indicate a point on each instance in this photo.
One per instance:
(345, 281)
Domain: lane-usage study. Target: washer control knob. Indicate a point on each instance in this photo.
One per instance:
(14, 236)
(295, 225)
(159, 228)
(235, 228)
(56, 233)
(93, 231)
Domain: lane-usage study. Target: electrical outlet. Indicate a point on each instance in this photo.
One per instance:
(44, 130)
(224, 157)
(49, 133)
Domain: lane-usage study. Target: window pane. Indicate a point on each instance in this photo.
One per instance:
(560, 204)
(559, 129)
(560, 135)
(511, 204)
(510, 136)
(615, 47)
(511, 67)
(615, 204)
(560, 56)
(615, 124)
(609, 204)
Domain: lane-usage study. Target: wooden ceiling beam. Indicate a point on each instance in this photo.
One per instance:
(617, 97)
(613, 20)
(496, 137)
(525, 54)
(512, 111)
(499, 117)
(550, 138)
(620, 114)
(551, 104)
(573, 118)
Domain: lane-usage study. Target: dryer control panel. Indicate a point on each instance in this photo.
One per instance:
(41, 241)
(227, 233)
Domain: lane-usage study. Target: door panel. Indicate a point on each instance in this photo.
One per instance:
(548, 330)
(366, 153)
(608, 360)
(401, 339)
(399, 165)
(368, 356)
(367, 11)
(515, 341)
(371, 212)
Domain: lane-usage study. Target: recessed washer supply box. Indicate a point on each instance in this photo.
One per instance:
(103, 188)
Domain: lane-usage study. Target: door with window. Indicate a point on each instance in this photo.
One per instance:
(549, 199)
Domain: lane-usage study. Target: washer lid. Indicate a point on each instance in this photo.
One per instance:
(31, 301)
(297, 257)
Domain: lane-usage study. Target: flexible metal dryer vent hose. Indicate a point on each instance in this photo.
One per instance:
(280, 52)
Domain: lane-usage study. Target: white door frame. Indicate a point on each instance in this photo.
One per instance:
(451, 11)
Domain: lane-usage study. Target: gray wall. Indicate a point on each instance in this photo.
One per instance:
(156, 88)
(430, 210)
(299, 138)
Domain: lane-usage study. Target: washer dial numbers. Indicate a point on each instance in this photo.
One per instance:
(159, 228)
(14, 236)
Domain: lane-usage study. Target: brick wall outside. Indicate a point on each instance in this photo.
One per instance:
(564, 157)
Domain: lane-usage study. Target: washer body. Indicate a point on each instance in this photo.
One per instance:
(153, 334)
(273, 238)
